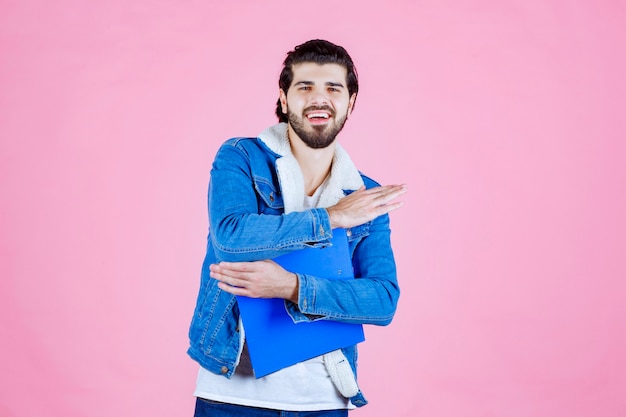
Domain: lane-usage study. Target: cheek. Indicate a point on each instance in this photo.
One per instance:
(343, 107)
(294, 105)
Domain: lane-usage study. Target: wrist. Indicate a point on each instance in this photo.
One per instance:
(294, 289)
(332, 218)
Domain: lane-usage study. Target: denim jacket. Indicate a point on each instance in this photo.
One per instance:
(248, 222)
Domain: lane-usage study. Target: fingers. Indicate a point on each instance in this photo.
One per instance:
(234, 274)
(389, 192)
(364, 205)
(379, 195)
(383, 196)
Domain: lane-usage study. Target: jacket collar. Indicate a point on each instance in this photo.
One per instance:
(343, 174)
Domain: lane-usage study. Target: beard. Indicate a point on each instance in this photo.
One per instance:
(316, 137)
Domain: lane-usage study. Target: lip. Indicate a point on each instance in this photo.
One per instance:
(318, 116)
(311, 117)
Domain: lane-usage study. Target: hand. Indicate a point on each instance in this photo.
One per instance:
(259, 279)
(364, 205)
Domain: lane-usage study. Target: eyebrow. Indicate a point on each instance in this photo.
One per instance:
(328, 83)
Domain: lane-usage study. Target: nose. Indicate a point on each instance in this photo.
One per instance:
(318, 98)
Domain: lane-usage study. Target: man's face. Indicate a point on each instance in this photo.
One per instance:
(317, 102)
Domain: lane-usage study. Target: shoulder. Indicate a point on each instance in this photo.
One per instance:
(241, 142)
(250, 146)
(246, 153)
(247, 142)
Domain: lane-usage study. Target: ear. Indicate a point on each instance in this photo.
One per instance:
(283, 101)
(351, 104)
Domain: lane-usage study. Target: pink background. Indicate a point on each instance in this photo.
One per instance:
(506, 119)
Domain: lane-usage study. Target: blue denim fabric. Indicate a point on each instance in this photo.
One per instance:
(247, 223)
(207, 408)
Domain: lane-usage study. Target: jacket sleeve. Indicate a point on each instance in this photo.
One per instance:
(237, 231)
(370, 298)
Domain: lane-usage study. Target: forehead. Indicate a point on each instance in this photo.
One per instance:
(310, 71)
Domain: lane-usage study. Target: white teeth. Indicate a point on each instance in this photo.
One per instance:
(315, 115)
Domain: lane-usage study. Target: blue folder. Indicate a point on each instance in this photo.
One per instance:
(274, 340)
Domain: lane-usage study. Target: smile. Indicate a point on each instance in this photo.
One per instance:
(317, 115)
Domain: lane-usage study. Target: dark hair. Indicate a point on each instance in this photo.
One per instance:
(319, 52)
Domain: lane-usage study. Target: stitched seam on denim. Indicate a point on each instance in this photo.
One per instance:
(359, 231)
(219, 324)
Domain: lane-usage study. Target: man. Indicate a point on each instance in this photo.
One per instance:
(283, 191)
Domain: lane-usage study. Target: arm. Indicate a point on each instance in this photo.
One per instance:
(370, 298)
(238, 231)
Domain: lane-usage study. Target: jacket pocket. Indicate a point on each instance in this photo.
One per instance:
(270, 199)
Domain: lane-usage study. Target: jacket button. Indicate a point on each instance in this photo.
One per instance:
(272, 197)
(224, 370)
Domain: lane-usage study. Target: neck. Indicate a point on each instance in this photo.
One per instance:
(314, 163)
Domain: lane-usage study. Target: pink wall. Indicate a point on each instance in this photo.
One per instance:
(506, 119)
